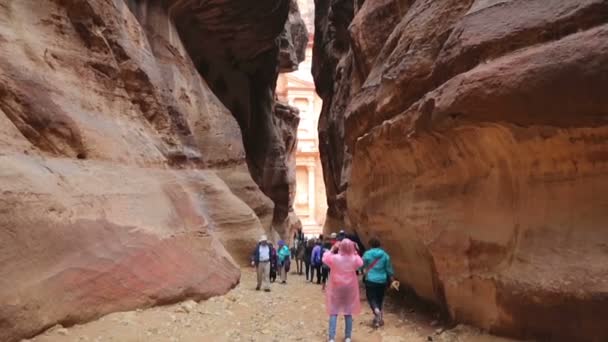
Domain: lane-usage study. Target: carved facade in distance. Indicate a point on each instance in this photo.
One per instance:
(298, 90)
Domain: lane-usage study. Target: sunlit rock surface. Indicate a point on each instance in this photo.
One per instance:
(471, 137)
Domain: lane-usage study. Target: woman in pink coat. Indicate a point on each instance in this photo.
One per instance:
(342, 294)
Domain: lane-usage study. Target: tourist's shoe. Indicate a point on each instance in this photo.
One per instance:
(266, 290)
(376, 322)
(377, 318)
(347, 339)
(257, 288)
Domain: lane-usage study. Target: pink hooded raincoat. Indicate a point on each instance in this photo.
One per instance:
(342, 293)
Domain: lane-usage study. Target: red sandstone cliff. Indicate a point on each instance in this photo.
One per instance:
(124, 180)
(471, 136)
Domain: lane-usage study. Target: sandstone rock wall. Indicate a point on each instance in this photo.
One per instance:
(332, 71)
(470, 136)
(124, 180)
(239, 62)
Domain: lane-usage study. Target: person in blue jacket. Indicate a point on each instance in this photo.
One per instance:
(261, 258)
(378, 274)
(315, 259)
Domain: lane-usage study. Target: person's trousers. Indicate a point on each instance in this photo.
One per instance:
(324, 274)
(309, 270)
(375, 294)
(273, 273)
(317, 269)
(283, 273)
(264, 274)
(348, 326)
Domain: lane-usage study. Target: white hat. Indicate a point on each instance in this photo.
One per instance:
(333, 235)
(263, 238)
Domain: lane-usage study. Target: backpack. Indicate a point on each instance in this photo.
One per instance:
(317, 260)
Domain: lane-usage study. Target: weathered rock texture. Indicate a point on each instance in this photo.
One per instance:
(293, 40)
(239, 62)
(286, 119)
(472, 138)
(123, 178)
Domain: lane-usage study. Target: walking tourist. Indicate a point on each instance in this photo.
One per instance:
(327, 248)
(284, 256)
(261, 260)
(310, 244)
(342, 295)
(316, 259)
(274, 263)
(298, 238)
(378, 273)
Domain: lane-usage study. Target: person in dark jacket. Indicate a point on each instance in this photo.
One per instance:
(327, 248)
(316, 259)
(261, 260)
(310, 244)
(355, 238)
(274, 263)
(341, 235)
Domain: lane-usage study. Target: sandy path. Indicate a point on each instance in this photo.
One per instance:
(292, 312)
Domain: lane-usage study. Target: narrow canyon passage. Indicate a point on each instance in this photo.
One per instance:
(147, 145)
(292, 312)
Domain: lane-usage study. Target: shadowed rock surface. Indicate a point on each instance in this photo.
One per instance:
(470, 136)
(239, 62)
(124, 180)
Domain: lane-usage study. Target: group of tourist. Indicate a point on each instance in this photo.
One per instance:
(337, 264)
(268, 261)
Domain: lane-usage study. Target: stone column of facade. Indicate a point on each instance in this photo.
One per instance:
(311, 192)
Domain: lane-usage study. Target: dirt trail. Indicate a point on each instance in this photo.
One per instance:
(292, 312)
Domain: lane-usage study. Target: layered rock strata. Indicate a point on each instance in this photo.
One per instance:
(124, 180)
(471, 137)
